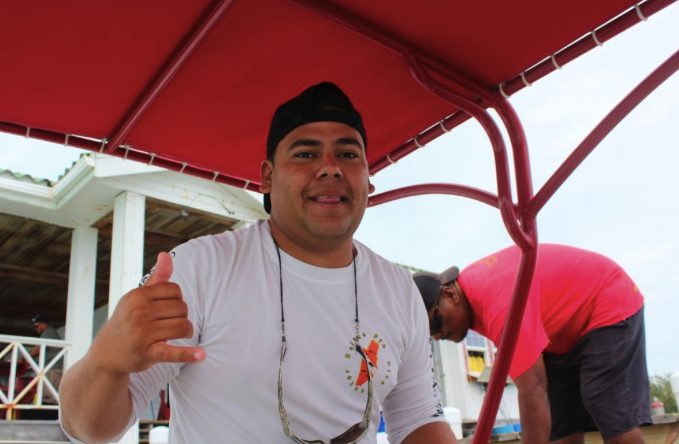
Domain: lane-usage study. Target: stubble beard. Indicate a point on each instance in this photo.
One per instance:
(327, 230)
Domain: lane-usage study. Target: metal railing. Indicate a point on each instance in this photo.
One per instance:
(25, 382)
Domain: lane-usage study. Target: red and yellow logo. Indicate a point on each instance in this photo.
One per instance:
(372, 352)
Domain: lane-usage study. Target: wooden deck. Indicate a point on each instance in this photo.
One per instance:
(665, 430)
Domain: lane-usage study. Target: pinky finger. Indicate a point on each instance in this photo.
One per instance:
(163, 352)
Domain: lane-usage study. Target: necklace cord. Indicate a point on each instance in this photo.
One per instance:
(280, 276)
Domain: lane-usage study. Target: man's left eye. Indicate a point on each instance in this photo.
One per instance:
(349, 155)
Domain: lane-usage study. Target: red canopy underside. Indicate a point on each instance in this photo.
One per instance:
(79, 67)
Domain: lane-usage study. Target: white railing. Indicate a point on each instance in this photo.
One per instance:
(14, 387)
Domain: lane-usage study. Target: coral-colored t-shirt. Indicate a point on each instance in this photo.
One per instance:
(573, 291)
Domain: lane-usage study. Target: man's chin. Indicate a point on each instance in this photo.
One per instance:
(332, 227)
(459, 338)
(330, 231)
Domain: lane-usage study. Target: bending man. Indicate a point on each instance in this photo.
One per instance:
(581, 347)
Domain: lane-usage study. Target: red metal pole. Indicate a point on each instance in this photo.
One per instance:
(459, 82)
(138, 156)
(638, 94)
(500, 154)
(524, 277)
(463, 84)
(517, 137)
(208, 22)
(585, 44)
(507, 345)
(429, 135)
(435, 188)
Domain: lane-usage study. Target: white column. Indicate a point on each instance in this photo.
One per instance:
(127, 260)
(127, 246)
(81, 287)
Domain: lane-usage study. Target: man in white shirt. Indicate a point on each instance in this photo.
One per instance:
(219, 314)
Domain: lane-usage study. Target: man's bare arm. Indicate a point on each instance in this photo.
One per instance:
(96, 404)
(536, 422)
(432, 433)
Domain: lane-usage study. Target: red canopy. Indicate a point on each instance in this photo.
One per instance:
(98, 69)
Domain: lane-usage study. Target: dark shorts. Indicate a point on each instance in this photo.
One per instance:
(602, 383)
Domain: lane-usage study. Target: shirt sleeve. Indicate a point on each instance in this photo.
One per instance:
(415, 400)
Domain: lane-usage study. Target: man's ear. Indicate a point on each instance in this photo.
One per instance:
(449, 294)
(265, 172)
(371, 187)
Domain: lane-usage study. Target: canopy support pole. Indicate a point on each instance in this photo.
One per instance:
(182, 54)
(524, 276)
(634, 98)
(138, 156)
(527, 210)
(497, 141)
(583, 45)
(467, 87)
(435, 188)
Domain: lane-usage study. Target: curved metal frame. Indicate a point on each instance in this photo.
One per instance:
(435, 188)
(526, 211)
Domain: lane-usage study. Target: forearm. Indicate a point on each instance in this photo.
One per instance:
(432, 433)
(536, 420)
(95, 405)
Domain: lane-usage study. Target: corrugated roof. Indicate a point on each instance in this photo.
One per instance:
(8, 174)
(22, 177)
(61, 176)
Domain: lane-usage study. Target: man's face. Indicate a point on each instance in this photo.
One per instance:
(456, 317)
(318, 182)
(39, 327)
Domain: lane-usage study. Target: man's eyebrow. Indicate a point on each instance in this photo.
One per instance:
(304, 142)
(349, 141)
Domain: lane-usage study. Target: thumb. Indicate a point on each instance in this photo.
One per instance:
(162, 271)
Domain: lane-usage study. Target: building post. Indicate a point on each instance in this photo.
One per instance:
(127, 246)
(127, 260)
(81, 290)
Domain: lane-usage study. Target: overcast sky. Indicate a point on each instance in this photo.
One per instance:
(621, 202)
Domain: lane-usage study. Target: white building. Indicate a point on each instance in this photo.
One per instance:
(464, 370)
(71, 249)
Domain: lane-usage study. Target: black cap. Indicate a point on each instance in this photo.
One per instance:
(430, 283)
(41, 317)
(324, 102)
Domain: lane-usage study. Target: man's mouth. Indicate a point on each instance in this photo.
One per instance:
(329, 199)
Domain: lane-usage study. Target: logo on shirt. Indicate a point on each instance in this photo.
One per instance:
(358, 375)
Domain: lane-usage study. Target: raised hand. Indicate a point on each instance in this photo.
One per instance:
(135, 337)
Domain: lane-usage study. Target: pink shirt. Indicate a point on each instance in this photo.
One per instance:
(574, 291)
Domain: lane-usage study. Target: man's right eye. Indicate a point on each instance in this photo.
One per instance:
(303, 155)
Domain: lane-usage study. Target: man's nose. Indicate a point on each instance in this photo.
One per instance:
(329, 167)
